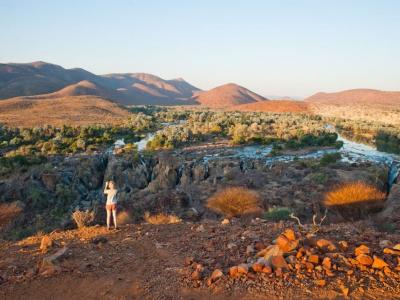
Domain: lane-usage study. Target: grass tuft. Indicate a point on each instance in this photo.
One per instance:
(234, 201)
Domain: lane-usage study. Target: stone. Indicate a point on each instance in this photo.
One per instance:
(216, 274)
(233, 272)
(269, 252)
(189, 261)
(361, 250)
(385, 244)
(46, 244)
(243, 269)
(327, 263)
(320, 282)
(49, 263)
(200, 228)
(379, 263)
(230, 246)
(289, 234)
(225, 222)
(391, 251)
(250, 250)
(196, 275)
(278, 262)
(313, 258)
(286, 244)
(259, 246)
(344, 246)
(396, 247)
(257, 267)
(364, 259)
(267, 270)
(326, 245)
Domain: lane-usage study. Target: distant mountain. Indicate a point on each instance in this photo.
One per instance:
(357, 96)
(279, 106)
(51, 81)
(227, 95)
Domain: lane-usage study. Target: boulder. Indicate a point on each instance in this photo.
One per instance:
(379, 263)
(364, 259)
(362, 249)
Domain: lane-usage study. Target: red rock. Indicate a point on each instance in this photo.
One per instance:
(233, 271)
(391, 251)
(361, 250)
(379, 263)
(285, 244)
(329, 273)
(267, 270)
(217, 274)
(257, 267)
(259, 246)
(364, 259)
(326, 245)
(320, 282)
(196, 275)
(343, 245)
(327, 263)
(313, 258)
(243, 269)
(278, 272)
(309, 266)
(289, 233)
(189, 261)
(279, 262)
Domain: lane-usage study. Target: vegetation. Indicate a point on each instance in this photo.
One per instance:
(293, 130)
(277, 214)
(161, 218)
(330, 158)
(386, 137)
(83, 218)
(234, 201)
(8, 211)
(353, 193)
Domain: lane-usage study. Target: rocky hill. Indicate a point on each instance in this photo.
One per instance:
(228, 95)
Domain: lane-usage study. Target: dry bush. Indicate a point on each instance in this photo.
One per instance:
(234, 201)
(123, 218)
(353, 193)
(354, 199)
(8, 211)
(161, 218)
(83, 218)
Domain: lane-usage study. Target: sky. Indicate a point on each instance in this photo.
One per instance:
(284, 48)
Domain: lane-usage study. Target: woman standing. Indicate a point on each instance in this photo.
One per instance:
(111, 204)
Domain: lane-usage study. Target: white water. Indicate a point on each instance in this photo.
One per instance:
(351, 152)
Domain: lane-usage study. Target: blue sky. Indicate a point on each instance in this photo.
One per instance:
(293, 48)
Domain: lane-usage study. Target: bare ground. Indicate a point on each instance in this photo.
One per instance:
(148, 262)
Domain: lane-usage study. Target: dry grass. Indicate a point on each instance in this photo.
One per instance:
(8, 211)
(353, 193)
(83, 218)
(161, 218)
(234, 201)
(123, 218)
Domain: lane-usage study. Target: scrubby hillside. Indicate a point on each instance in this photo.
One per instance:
(78, 110)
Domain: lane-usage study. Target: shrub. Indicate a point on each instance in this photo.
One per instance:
(161, 218)
(352, 193)
(277, 214)
(123, 218)
(83, 218)
(355, 199)
(8, 211)
(330, 158)
(234, 201)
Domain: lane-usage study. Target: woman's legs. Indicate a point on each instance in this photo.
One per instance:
(108, 218)
(114, 213)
